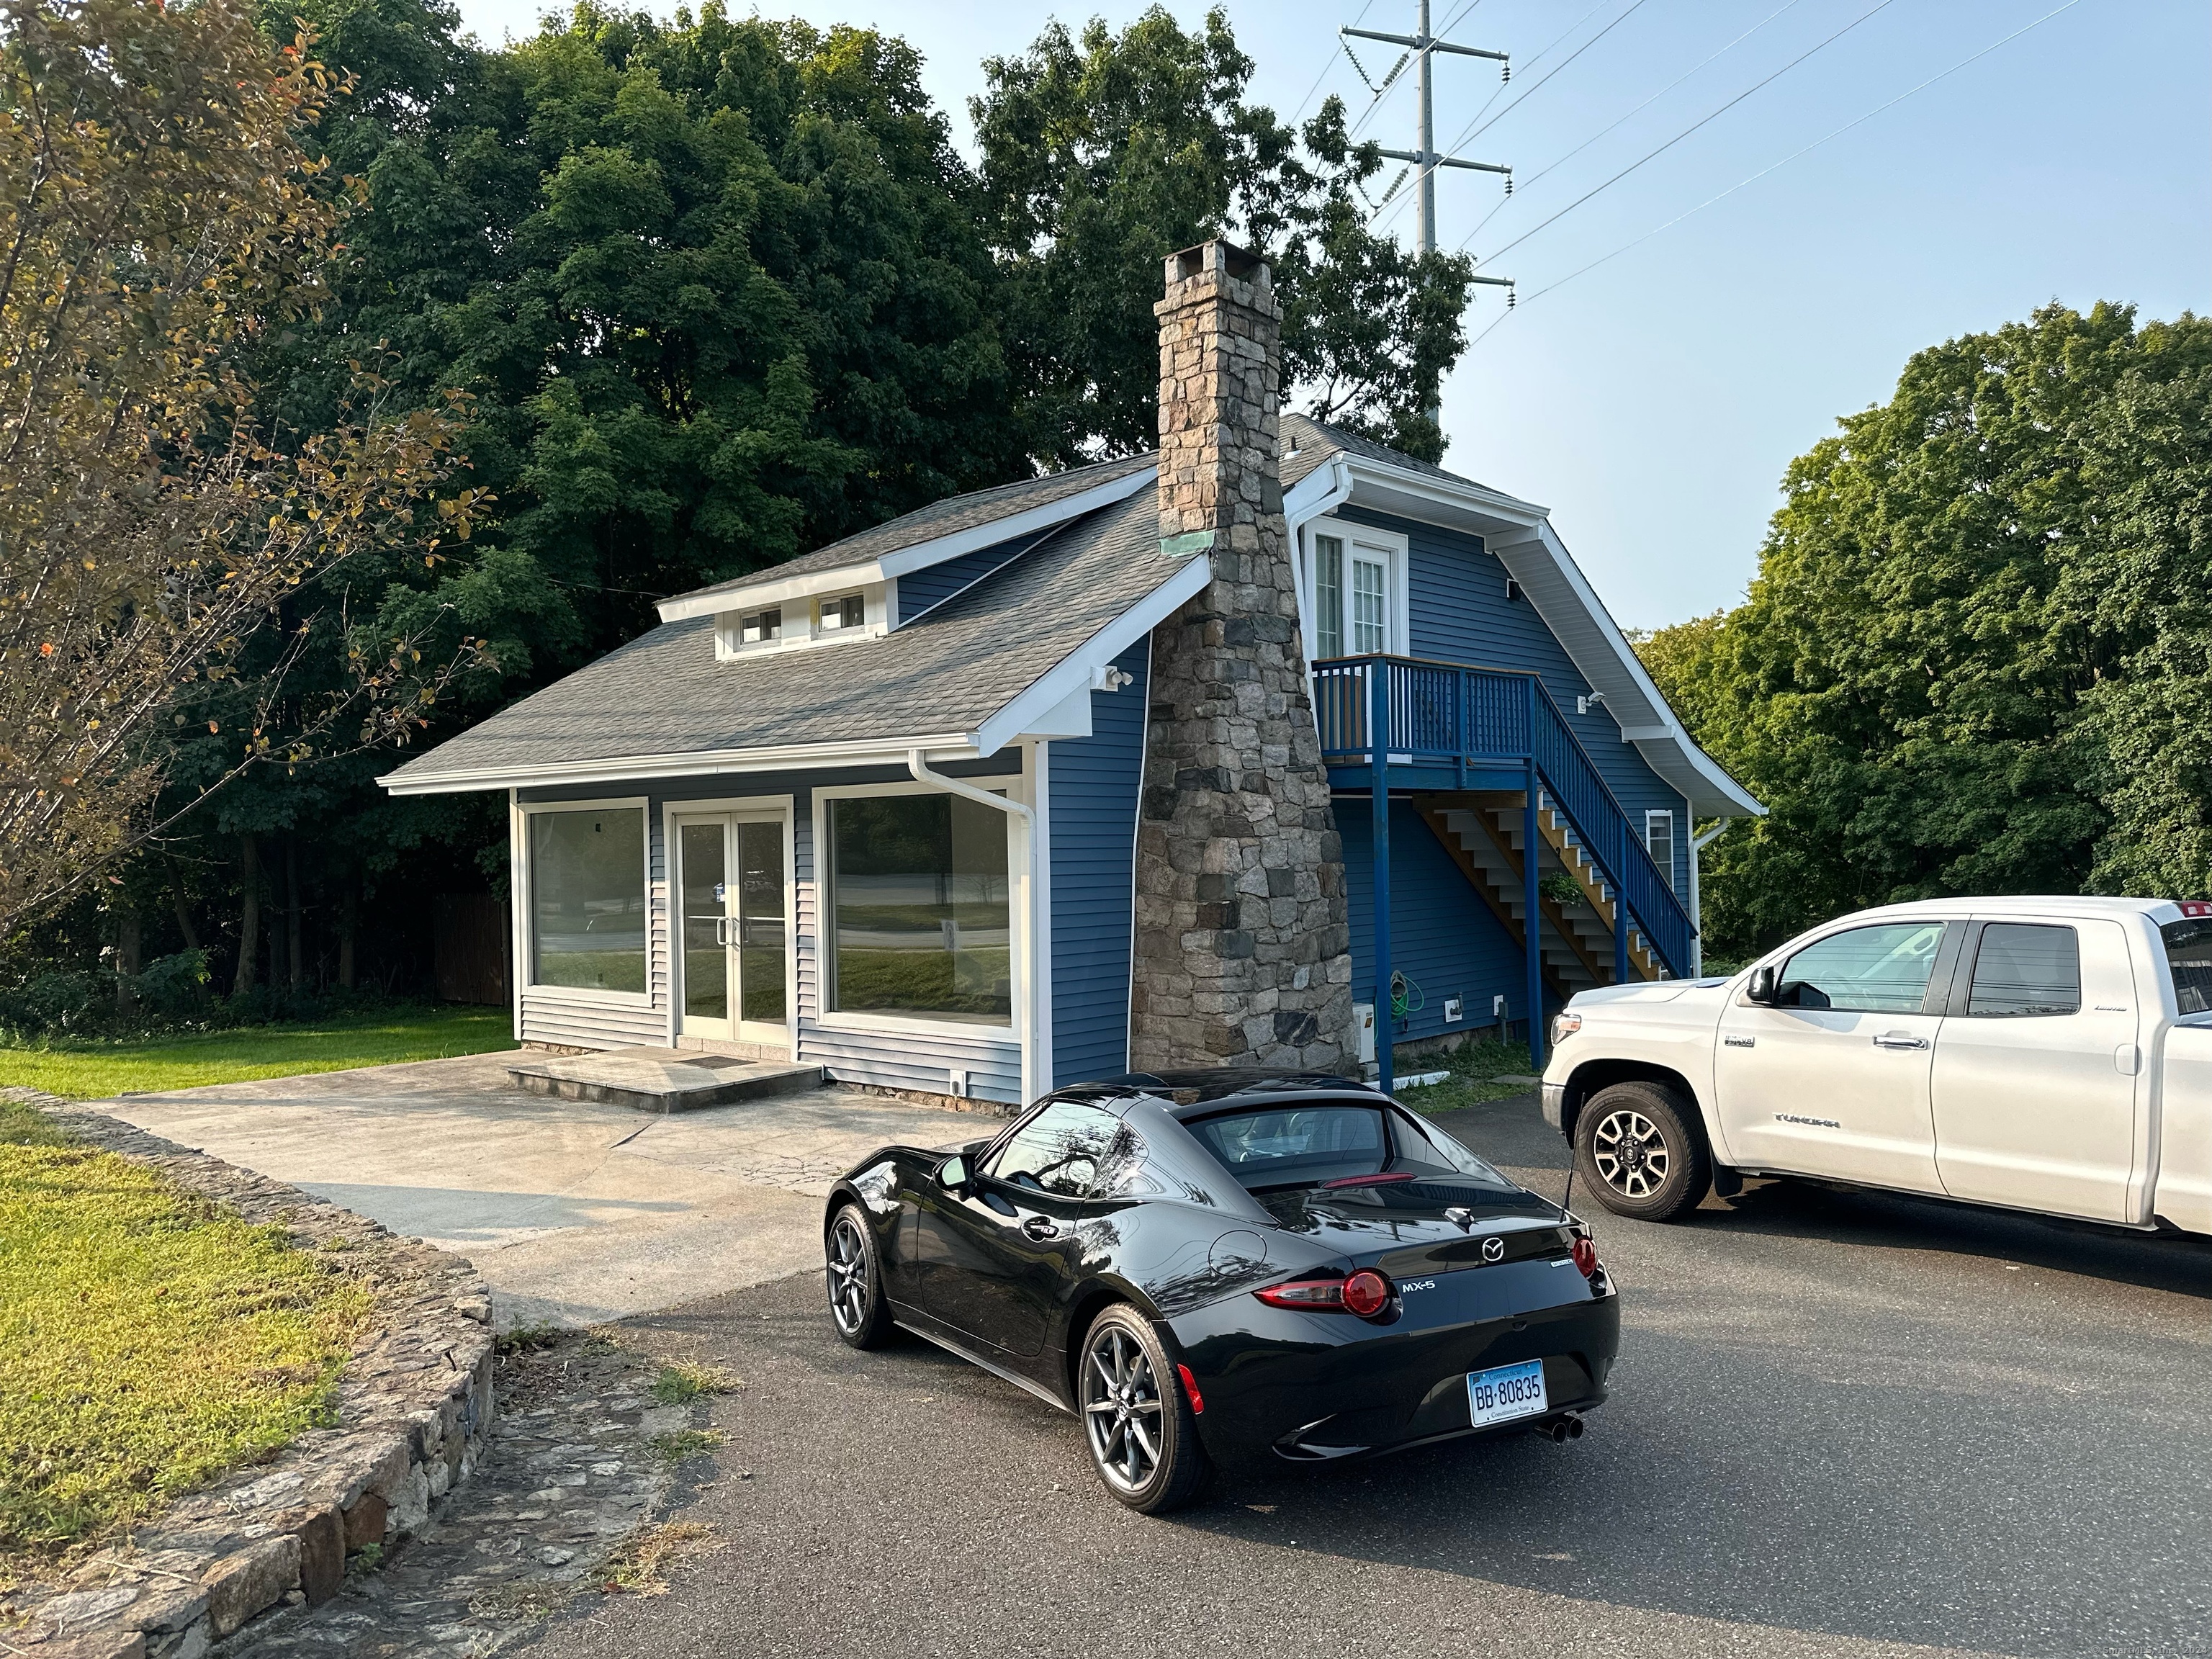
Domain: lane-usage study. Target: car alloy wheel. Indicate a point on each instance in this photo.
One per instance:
(849, 1301)
(1632, 1154)
(1122, 1410)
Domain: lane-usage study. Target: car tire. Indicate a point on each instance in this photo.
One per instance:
(1640, 1148)
(855, 1276)
(1137, 1420)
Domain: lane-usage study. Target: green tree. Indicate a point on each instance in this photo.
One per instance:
(1102, 155)
(1975, 656)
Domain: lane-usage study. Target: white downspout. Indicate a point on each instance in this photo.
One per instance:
(918, 764)
(1698, 844)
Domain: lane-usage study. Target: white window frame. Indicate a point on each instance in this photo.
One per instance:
(802, 622)
(1022, 885)
(781, 807)
(526, 908)
(1396, 561)
(1651, 816)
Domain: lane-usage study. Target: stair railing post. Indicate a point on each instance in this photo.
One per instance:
(1620, 907)
(1532, 930)
(1378, 761)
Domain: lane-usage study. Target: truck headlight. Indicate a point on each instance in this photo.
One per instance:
(1564, 1025)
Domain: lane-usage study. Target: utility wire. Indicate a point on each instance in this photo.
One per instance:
(1299, 113)
(1551, 166)
(1703, 121)
(1473, 131)
(1859, 121)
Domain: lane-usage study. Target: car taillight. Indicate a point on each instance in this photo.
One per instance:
(1585, 1254)
(1365, 1293)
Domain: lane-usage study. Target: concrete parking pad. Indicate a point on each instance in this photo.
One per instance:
(575, 1212)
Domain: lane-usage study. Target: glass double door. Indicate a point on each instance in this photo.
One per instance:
(737, 959)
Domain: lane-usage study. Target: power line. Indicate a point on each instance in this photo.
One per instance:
(1551, 167)
(1703, 121)
(1327, 64)
(1473, 131)
(1773, 167)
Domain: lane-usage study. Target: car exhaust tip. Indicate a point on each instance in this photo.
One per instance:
(1561, 1429)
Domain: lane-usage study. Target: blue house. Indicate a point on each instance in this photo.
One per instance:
(879, 808)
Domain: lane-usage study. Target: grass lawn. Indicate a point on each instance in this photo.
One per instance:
(148, 1339)
(96, 1071)
(1474, 1066)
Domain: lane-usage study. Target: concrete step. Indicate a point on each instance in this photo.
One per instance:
(658, 1080)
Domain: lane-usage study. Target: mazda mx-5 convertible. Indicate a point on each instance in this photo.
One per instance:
(1213, 1268)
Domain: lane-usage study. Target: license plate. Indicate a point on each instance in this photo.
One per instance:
(1505, 1392)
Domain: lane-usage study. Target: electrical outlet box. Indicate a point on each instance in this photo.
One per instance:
(1363, 1020)
(1455, 1011)
(956, 1082)
(1497, 1007)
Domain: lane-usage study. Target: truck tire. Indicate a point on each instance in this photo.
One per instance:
(1640, 1148)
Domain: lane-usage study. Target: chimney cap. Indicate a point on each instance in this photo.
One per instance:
(1221, 255)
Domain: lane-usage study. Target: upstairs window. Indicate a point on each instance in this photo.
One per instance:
(1328, 597)
(1659, 842)
(839, 614)
(760, 627)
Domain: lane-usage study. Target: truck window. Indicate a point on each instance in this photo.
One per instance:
(1881, 970)
(2189, 953)
(2025, 968)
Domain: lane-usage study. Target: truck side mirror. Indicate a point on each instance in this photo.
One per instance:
(1760, 988)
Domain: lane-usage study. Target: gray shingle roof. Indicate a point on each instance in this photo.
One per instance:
(1316, 443)
(944, 518)
(664, 694)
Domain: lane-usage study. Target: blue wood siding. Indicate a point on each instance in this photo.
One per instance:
(920, 589)
(1092, 784)
(1457, 612)
(1443, 938)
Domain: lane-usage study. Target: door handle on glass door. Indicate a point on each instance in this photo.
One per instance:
(1039, 1228)
(1899, 1040)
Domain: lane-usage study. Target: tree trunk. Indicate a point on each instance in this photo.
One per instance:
(128, 957)
(292, 908)
(249, 915)
(190, 935)
(348, 925)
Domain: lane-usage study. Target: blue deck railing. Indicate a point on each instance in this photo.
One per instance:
(1434, 716)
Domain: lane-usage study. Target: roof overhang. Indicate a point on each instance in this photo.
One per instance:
(888, 566)
(1520, 533)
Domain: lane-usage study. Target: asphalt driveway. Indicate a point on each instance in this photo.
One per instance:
(574, 1213)
(1842, 1424)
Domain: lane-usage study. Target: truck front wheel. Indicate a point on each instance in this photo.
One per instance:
(1640, 1147)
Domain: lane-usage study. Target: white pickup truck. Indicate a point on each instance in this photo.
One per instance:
(2051, 1055)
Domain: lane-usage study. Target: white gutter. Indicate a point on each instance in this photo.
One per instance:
(705, 762)
(917, 763)
(1698, 844)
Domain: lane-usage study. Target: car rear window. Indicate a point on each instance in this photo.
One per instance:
(1306, 1143)
(2189, 953)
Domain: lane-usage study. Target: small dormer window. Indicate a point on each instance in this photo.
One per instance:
(760, 627)
(849, 611)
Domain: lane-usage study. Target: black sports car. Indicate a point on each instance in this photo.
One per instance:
(1214, 1267)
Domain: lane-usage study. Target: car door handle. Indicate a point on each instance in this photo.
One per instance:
(1039, 1228)
(1899, 1040)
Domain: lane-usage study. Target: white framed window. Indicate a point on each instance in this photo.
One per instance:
(760, 627)
(1353, 590)
(1659, 842)
(587, 881)
(846, 610)
(796, 622)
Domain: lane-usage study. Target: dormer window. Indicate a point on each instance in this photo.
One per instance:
(798, 622)
(760, 627)
(850, 610)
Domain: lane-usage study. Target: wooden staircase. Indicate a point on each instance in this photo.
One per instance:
(1485, 832)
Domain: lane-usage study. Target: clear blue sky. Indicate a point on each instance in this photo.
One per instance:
(1654, 403)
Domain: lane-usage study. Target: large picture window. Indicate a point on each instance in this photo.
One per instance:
(922, 922)
(587, 899)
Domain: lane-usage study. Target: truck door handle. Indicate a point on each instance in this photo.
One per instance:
(1039, 1228)
(1899, 1040)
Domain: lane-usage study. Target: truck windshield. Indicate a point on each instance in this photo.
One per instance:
(2189, 953)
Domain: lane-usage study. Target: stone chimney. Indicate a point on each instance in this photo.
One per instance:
(1244, 951)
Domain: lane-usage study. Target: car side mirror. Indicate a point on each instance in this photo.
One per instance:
(1760, 988)
(953, 1175)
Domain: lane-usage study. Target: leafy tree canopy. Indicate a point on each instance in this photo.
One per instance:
(1978, 655)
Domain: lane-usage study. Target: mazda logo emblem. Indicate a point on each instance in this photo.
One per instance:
(1493, 1249)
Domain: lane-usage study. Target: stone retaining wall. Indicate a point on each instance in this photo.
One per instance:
(413, 1410)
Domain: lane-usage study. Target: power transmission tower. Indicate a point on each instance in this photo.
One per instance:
(1421, 46)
